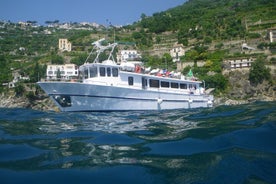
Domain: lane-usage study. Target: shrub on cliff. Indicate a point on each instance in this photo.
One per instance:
(217, 81)
(19, 90)
(5, 72)
(258, 72)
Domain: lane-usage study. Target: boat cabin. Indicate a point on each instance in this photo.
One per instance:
(116, 75)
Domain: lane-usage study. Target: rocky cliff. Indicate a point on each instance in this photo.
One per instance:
(240, 90)
(43, 103)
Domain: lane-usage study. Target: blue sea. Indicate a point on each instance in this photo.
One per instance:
(224, 144)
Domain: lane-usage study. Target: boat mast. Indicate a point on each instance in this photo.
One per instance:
(100, 49)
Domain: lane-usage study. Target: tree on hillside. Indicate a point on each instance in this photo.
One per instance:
(258, 72)
(217, 81)
(167, 62)
(5, 72)
(142, 38)
(52, 22)
(80, 59)
(56, 59)
(19, 90)
(36, 72)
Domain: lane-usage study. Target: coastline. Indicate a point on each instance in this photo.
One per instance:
(228, 102)
(44, 103)
(239, 92)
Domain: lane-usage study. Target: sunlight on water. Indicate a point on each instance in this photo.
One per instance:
(51, 126)
(120, 122)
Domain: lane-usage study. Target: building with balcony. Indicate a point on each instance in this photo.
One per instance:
(64, 45)
(272, 35)
(176, 52)
(238, 63)
(64, 72)
(128, 55)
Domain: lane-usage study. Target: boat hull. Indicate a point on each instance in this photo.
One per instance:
(90, 97)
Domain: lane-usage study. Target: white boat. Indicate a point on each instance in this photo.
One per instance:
(108, 86)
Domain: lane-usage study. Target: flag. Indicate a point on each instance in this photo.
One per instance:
(190, 74)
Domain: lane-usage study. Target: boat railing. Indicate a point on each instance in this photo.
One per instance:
(162, 75)
(61, 80)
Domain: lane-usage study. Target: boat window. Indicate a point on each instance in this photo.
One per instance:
(93, 72)
(183, 86)
(144, 82)
(130, 81)
(174, 85)
(108, 71)
(86, 73)
(154, 83)
(115, 72)
(102, 71)
(165, 84)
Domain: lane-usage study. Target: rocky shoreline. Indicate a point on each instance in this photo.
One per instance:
(44, 103)
(226, 101)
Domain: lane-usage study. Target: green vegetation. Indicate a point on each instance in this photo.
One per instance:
(164, 62)
(211, 71)
(5, 74)
(259, 73)
(210, 19)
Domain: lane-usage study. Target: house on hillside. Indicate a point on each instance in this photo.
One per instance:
(238, 63)
(64, 45)
(176, 52)
(272, 35)
(128, 55)
(66, 72)
(246, 47)
(17, 77)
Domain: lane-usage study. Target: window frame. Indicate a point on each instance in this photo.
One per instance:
(102, 71)
(130, 80)
(154, 83)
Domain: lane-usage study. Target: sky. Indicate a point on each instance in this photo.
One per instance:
(105, 12)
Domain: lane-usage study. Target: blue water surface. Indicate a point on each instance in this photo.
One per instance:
(224, 144)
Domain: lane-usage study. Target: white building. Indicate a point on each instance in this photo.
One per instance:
(272, 35)
(16, 78)
(176, 52)
(64, 45)
(239, 63)
(67, 71)
(128, 55)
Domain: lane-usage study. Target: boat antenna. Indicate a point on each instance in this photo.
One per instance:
(86, 61)
(100, 49)
(97, 45)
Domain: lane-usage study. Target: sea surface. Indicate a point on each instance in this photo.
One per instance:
(224, 144)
